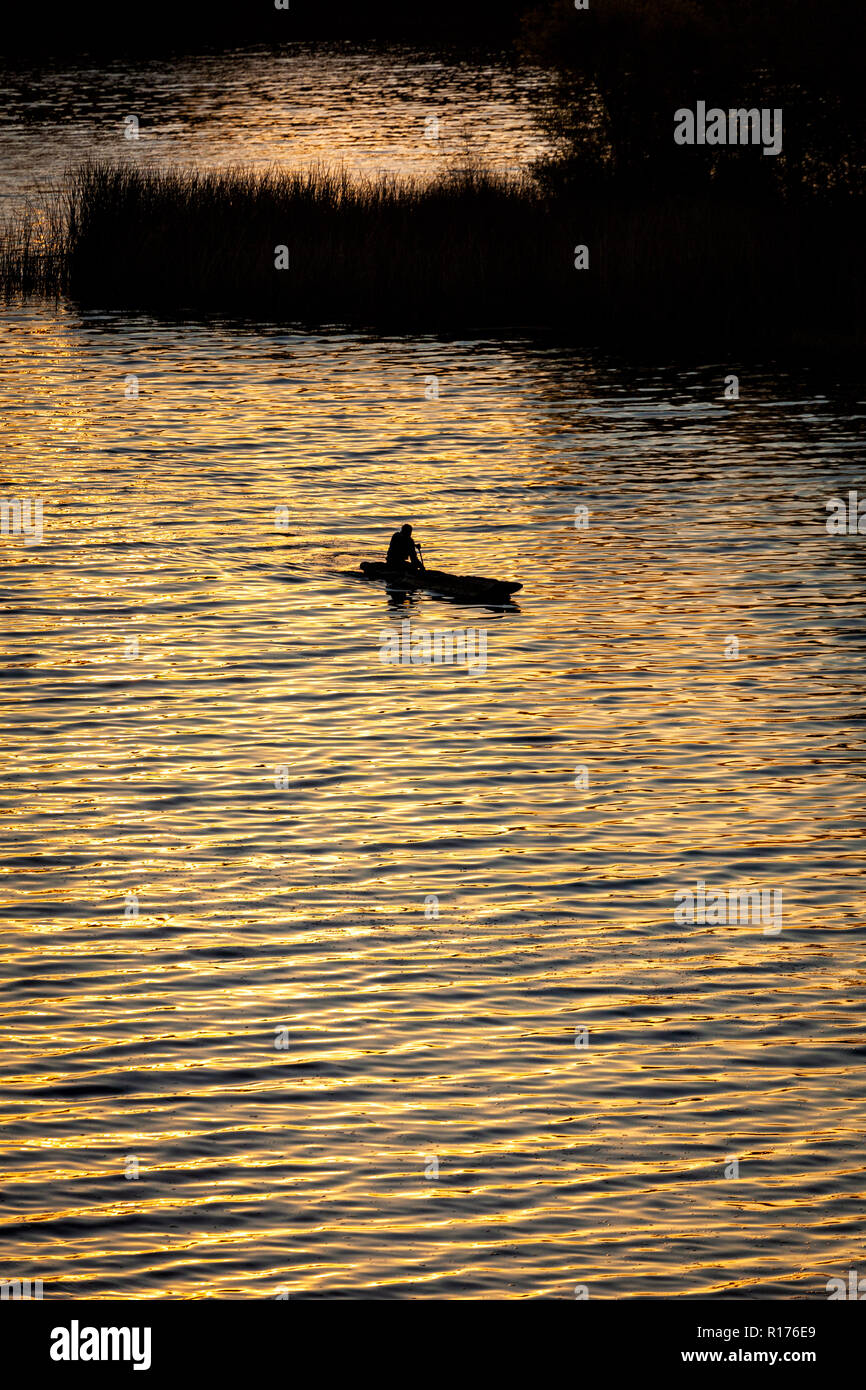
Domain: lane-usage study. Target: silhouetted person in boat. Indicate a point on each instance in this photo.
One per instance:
(402, 550)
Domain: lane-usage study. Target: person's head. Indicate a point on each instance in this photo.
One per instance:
(406, 529)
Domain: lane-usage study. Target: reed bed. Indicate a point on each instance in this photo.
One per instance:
(469, 249)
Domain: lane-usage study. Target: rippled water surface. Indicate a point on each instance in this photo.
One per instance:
(396, 109)
(226, 817)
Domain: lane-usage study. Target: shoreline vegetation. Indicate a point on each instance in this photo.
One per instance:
(469, 249)
(685, 240)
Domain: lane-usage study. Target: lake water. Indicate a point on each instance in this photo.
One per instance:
(332, 977)
(399, 110)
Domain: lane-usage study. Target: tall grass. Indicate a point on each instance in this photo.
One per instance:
(35, 244)
(470, 249)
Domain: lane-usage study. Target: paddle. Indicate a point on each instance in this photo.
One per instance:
(421, 556)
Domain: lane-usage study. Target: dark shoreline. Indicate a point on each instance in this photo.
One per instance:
(471, 249)
(179, 26)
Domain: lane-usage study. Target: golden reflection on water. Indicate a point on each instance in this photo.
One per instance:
(170, 907)
(363, 109)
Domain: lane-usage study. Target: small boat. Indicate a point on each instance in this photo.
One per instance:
(471, 587)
